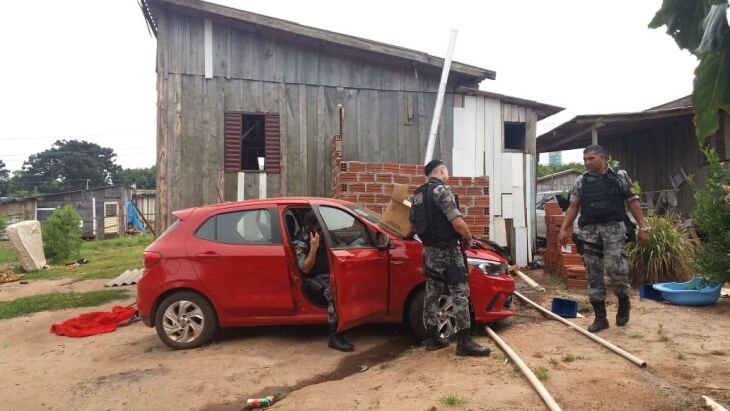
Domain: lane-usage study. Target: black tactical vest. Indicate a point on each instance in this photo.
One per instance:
(432, 226)
(600, 199)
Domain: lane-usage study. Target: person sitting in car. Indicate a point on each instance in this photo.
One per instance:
(312, 260)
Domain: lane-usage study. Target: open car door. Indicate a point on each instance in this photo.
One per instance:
(359, 271)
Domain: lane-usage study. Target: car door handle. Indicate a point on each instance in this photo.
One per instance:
(208, 255)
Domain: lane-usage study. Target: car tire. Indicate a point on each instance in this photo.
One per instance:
(415, 315)
(185, 320)
(447, 321)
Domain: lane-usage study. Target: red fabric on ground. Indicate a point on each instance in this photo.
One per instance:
(94, 323)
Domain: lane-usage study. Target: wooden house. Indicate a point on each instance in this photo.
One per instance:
(248, 106)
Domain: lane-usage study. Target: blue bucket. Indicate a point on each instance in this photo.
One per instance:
(647, 292)
(696, 291)
(565, 308)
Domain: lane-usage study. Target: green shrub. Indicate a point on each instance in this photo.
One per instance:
(667, 257)
(712, 216)
(62, 235)
(3, 223)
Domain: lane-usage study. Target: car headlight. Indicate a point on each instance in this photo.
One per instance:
(488, 267)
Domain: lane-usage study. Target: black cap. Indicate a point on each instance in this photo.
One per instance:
(431, 165)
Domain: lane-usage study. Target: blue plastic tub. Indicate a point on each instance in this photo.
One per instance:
(696, 291)
(647, 292)
(565, 308)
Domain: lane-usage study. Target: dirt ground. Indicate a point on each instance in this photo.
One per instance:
(686, 349)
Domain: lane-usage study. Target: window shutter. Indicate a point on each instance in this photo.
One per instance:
(232, 125)
(272, 144)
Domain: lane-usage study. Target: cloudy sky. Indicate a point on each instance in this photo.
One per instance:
(85, 69)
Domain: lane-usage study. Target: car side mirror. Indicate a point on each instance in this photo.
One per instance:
(382, 241)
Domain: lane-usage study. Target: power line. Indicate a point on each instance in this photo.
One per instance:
(100, 135)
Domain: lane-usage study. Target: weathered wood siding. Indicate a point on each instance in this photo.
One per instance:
(557, 183)
(649, 155)
(387, 110)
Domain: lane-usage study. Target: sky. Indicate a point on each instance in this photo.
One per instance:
(84, 69)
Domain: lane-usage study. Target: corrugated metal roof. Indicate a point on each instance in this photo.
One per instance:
(128, 277)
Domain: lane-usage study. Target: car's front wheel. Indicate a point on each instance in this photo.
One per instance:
(445, 318)
(185, 320)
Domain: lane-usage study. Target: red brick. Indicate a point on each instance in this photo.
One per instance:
(384, 178)
(374, 167)
(348, 177)
(356, 187)
(350, 198)
(460, 191)
(481, 181)
(373, 188)
(343, 166)
(366, 177)
(466, 201)
(402, 179)
(474, 191)
(481, 200)
(418, 179)
(483, 220)
(355, 166)
(468, 220)
(411, 169)
(388, 189)
(366, 198)
(391, 167)
(382, 199)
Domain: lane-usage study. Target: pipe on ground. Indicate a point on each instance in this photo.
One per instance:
(544, 394)
(636, 360)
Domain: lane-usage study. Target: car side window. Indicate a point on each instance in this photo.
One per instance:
(345, 230)
(240, 227)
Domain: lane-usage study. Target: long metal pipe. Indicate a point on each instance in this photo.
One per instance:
(440, 98)
(544, 394)
(636, 360)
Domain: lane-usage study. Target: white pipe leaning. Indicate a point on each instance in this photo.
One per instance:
(636, 360)
(544, 394)
(440, 98)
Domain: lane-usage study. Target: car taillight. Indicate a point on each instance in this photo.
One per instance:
(151, 258)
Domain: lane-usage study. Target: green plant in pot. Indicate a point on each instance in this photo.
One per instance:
(563, 199)
(668, 257)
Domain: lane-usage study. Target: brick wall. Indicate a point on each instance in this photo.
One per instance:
(371, 184)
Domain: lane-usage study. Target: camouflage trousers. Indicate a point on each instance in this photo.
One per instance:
(331, 312)
(445, 267)
(608, 239)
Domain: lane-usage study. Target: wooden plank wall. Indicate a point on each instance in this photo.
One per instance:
(650, 155)
(387, 110)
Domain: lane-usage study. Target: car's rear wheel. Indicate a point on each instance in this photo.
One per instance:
(185, 320)
(445, 319)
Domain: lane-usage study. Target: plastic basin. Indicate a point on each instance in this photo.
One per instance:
(696, 291)
(565, 308)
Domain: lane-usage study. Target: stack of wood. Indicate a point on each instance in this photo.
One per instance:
(567, 265)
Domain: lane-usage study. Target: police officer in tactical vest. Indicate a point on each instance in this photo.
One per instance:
(601, 195)
(439, 224)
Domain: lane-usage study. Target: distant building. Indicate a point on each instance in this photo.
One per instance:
(556, 158)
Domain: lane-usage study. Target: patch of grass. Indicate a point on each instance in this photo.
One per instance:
(559, 283)
(107, 259)
(452, 399)
(568, 357)
(7, 255)
(636, 335)
(660, 329)
(57, 301)
(553, 362)
(541, 373)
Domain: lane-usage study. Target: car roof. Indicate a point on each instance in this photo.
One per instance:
(266, 202)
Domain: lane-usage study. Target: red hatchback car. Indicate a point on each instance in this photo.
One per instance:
(232, 264)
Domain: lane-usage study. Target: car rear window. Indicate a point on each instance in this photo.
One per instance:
(241, 227)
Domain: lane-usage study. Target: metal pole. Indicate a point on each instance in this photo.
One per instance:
(636, 360)
(440, 98)
(544, 394)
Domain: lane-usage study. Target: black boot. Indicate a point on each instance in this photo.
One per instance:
(339, 343)
(434, 341)
(624, 307)
(600, 322)
(465, 346)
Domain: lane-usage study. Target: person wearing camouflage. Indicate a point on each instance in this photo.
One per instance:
(439, 224)
(600, 195)
(312, 261)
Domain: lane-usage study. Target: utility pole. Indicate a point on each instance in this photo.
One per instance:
(87, 183)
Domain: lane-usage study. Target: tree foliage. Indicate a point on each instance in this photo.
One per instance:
(61, 234)
(4, 177)
(69, 165)
(544, 170)
(701, 27)
(144, 178)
